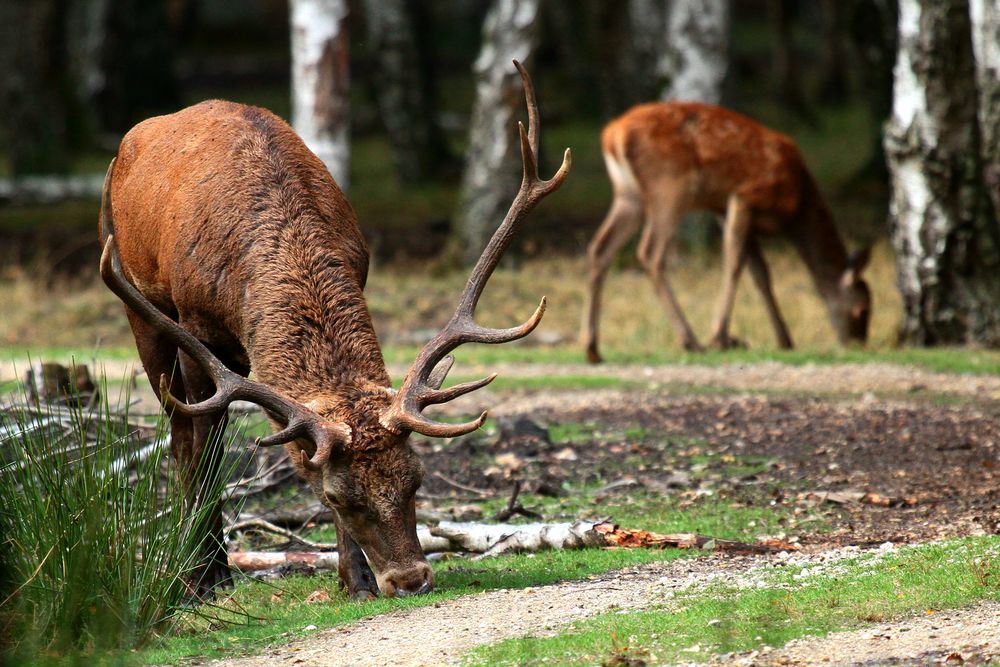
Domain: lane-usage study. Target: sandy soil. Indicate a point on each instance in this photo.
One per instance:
(968, 636)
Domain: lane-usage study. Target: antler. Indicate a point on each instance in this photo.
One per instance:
(422, 385)
(300, 422)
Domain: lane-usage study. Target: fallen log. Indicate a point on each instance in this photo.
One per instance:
(494, 539)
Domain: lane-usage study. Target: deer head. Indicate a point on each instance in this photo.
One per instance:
(852, 305)
(351, 445)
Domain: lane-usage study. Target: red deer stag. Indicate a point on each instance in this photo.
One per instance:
(665, 159)
(234, 251)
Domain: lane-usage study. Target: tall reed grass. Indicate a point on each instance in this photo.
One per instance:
(96, 540)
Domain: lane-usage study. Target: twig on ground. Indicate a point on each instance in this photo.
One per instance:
(268, 527)
(458, 485)
(515, 507)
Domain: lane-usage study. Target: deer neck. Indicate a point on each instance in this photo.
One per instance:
(311, 335)
(820, 246)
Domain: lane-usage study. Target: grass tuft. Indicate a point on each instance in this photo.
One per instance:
(95, 541)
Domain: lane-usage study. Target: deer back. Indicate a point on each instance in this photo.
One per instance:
(227, 222)
(716, 152)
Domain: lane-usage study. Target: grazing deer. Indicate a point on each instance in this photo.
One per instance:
(665, 159)
(234, 251)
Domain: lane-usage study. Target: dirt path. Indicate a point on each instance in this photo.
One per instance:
(443, 633)
(761, 376)
(968, 636)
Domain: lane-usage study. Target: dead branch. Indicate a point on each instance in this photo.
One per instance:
(458, 485)
(494, 539)
(515, 507)
(268, 527)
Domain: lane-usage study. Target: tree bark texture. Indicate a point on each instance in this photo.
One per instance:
(492, 172)
(985, 16)
(320, 110)
(788, 80)
(34, 89)
(85, 38)
(946, 238)
(403, 88)
(833, 81)
(137, 58)
(697, 50)
(647, 22)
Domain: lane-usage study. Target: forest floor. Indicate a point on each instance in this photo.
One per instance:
(888, 455)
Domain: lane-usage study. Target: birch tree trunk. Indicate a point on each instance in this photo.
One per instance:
(137, 58)
(784, 56)
(320, 112)
(946, 240)
(403, 88)
(697, 50)
(647, 21)
(985, 16)
(492, 172)
(32, 91)
(833, 82)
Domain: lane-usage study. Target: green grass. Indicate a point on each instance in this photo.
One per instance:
(94, 561)
(923, 579)
(940, 359)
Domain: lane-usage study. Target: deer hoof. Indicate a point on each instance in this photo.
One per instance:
(593, 356)
(363, 595)
(692, 345)
(728, 343)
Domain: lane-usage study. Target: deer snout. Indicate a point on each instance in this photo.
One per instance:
(415, 580)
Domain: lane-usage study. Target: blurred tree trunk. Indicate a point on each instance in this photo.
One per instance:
(138, 64)
(833, 83)
(492, 172)
(985, 15)
(320, 110)
(614, 63)
(697, 50)
(788, 80)
(568, 29)
(873, 31)
(34, 86)
(947, 240)
(647, 20)
(86, 34)
(403, 88)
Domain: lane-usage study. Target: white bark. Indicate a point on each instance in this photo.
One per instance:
(320, 112)
(697, 50)
(946, 240)
(911, 198)
(985, 16)
(495, 539)
(492, 172)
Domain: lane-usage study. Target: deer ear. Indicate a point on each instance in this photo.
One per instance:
(858, 259)
(856, 262)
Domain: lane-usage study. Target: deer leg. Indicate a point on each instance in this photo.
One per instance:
(355, 575)
(735, 235)
(160, 357)
(621, 222)
(662, 220)
(762, 278)
(201, 470)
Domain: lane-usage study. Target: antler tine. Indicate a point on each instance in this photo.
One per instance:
(299, 420)
(418, 391)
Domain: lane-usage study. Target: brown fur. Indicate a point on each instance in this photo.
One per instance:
(230, 225)
(665, 159)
